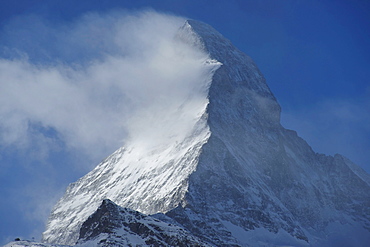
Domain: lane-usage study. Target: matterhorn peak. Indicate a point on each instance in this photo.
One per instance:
(233, 177)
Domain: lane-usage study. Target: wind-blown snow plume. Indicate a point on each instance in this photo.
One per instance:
(107, 78)
(88, 87)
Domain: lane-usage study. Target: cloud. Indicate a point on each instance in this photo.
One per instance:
(335, 126)
(97, 82)
(72, 93)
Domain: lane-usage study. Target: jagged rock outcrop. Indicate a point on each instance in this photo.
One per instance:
(238, 178)
(112, 225)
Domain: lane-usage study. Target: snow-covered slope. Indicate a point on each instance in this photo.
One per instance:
(236, 178)
(150, 178)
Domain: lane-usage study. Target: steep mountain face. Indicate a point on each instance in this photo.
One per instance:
(146, 178)
(153, 183)
(237, 178)
(253, 173)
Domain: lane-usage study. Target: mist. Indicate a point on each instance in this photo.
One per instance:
(134, 73)
(72, 93)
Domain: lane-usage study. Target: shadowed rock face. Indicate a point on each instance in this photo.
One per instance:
(112, 225)
(105, 220)
(253, 173)
(240, 178)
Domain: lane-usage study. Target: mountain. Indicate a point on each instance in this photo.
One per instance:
(236, 178)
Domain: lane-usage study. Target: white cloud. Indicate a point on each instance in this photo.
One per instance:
(86, 88)
(130, 73)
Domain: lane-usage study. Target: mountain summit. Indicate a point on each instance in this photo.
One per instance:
(235, 178)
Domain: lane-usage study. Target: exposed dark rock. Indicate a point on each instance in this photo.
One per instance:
(112, 225)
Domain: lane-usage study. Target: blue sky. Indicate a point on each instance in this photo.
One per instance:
(314, 55)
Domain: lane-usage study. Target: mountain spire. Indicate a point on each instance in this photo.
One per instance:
(238, 178)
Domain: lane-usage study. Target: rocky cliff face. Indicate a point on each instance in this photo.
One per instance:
(252, 173)
(111, 225)
(238, 178)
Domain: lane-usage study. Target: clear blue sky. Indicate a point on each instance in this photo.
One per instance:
(315, 56)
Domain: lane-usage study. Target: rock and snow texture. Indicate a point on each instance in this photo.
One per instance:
(237, 177)
(112, 225)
